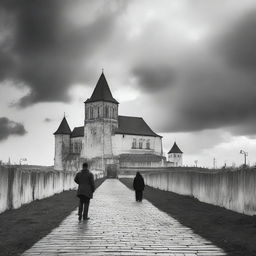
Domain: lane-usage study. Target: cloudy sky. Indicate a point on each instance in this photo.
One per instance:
(187, 67)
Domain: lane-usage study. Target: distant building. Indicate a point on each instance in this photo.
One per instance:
(175, 156)
(107, 140)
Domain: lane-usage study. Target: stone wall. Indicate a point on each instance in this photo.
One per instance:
(234, 190)
(20, 186)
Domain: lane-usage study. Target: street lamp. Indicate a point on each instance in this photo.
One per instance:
(245, 155)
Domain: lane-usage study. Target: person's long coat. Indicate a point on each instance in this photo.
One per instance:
(138, 183)
(85, 181)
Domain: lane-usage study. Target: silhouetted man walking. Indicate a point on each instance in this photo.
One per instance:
(138, 185)
(86, 188)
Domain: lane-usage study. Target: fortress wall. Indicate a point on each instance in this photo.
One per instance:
(20, 185)
(234, 190)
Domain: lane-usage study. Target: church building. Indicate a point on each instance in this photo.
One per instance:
(107, 140)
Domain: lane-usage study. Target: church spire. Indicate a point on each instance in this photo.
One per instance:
(64, 127)
(101, 91)
(175, 149)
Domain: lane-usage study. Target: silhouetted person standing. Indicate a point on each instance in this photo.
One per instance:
(86, 188)
(138, 185)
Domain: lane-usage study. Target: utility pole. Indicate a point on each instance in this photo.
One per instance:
(245, 155)
(214, 163)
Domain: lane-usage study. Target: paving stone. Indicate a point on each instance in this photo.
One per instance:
(120, 226)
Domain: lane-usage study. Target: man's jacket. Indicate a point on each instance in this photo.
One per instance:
(85, 181)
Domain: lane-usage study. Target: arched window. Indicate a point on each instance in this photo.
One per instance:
(76, 147)
(91, 112)
(134, 143)
(106, 111)
(140, 143)
(80, 146)
(148, 144)
(98, 112)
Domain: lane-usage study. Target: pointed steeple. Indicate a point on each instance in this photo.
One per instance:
(63, 128)
(102, 92)
(175, 149)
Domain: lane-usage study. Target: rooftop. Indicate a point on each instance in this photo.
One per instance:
(126, 125)
(175, 149)
(134, 126)
(77, 132)
(102, 92)
(63, 128)
(140, 158)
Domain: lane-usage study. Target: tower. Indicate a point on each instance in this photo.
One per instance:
(175, 155)
(62, 144)
(101, 119)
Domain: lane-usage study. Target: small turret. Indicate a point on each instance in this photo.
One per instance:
(62, 144)
(175, 155)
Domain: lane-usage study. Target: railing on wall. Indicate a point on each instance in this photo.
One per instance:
(234, 190)
(20, 185)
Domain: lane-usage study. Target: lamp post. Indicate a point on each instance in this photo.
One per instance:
(245, 155)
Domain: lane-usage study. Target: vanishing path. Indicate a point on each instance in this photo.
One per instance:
(120, 226)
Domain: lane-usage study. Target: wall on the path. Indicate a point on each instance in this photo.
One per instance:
(20, 185)
(234, 190)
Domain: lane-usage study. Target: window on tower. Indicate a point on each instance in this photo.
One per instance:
(106, 111)
(91, 112)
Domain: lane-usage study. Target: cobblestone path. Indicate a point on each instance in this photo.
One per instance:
(120, 226)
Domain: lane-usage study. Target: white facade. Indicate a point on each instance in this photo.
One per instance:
(136, 144)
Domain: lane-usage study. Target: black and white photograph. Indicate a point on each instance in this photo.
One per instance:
(127, 127)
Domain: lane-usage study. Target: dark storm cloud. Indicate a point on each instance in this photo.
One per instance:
(9, 127)
(237, 45)
(209, 97)
(154, 77)
(48, 52)
(214, 94)
(216, 100)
